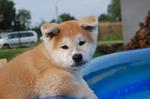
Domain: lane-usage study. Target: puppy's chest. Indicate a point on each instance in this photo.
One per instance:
(53, 85)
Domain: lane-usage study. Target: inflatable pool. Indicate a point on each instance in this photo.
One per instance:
(123, 75)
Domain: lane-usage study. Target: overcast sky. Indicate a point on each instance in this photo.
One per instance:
(45, 9)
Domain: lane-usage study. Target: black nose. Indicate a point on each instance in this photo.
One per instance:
(77, 58)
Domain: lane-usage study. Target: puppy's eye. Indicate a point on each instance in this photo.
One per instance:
(65, 47)
(81, 43)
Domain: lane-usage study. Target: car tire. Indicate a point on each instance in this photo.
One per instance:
(6, 46)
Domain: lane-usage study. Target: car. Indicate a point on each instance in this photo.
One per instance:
(19, 39)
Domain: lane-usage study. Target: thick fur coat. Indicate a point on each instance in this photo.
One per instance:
(53, 67)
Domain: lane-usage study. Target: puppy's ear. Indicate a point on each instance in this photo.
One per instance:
(89, 23)
(49, 30)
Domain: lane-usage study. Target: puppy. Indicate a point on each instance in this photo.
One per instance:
(53, 67)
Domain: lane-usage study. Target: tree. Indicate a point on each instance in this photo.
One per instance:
(37, 28)
(103, 17)
(53, 21)
(7, 14)
(9, 20)
(114, 10)
(23, 20)
(65, 17)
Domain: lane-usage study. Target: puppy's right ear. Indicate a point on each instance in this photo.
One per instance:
(49, 30)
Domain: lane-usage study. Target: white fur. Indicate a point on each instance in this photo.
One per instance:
(63, 57)
(45, 30)
(53, 90)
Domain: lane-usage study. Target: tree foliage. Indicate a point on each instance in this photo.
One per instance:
(23, 20)
(7, 14)
(65, 17)
(53, 21)
(103, 17)
(114, 10)
(10, 20)
(113, 13)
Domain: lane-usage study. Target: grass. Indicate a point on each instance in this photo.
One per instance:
(110, 42)
(97, 54)
(10, 53)
(110, 33)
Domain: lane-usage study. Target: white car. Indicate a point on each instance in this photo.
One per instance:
(18, 39)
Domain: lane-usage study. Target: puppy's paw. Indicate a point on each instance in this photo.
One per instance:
(91, 96)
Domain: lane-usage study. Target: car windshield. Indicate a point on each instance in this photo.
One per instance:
(15, 35)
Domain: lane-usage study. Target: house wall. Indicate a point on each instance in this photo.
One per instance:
(133, 13)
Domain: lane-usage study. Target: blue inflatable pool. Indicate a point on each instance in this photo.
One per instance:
(123, 75)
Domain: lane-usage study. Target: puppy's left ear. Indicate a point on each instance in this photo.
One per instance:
(89, 23)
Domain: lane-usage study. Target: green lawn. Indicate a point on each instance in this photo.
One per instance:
(10, 53)
(98, 53)
(110, 42)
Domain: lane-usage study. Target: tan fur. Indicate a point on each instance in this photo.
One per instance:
(75, 28)
(3, 62)
(24, 76)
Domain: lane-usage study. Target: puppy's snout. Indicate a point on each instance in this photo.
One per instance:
(77, 58)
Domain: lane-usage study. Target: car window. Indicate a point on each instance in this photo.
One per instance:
(28, 34)
(11, 36)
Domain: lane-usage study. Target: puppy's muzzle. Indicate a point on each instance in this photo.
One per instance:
(77, 58)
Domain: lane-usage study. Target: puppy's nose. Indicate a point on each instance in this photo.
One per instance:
(77, 58)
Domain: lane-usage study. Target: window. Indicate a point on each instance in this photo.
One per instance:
(11, 36)
(28, 34)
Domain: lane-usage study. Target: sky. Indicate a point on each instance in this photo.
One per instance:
(45, 10)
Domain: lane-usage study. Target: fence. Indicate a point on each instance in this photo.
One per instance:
(110, 31)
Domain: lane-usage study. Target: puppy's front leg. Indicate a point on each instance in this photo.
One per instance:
(89, 94)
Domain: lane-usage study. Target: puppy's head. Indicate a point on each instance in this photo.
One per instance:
(71, 44)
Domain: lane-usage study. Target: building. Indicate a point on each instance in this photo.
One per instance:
(133, 13)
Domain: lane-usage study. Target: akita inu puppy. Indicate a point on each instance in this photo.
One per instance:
(53, 67)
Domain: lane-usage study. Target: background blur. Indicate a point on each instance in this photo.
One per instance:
(24, 15)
